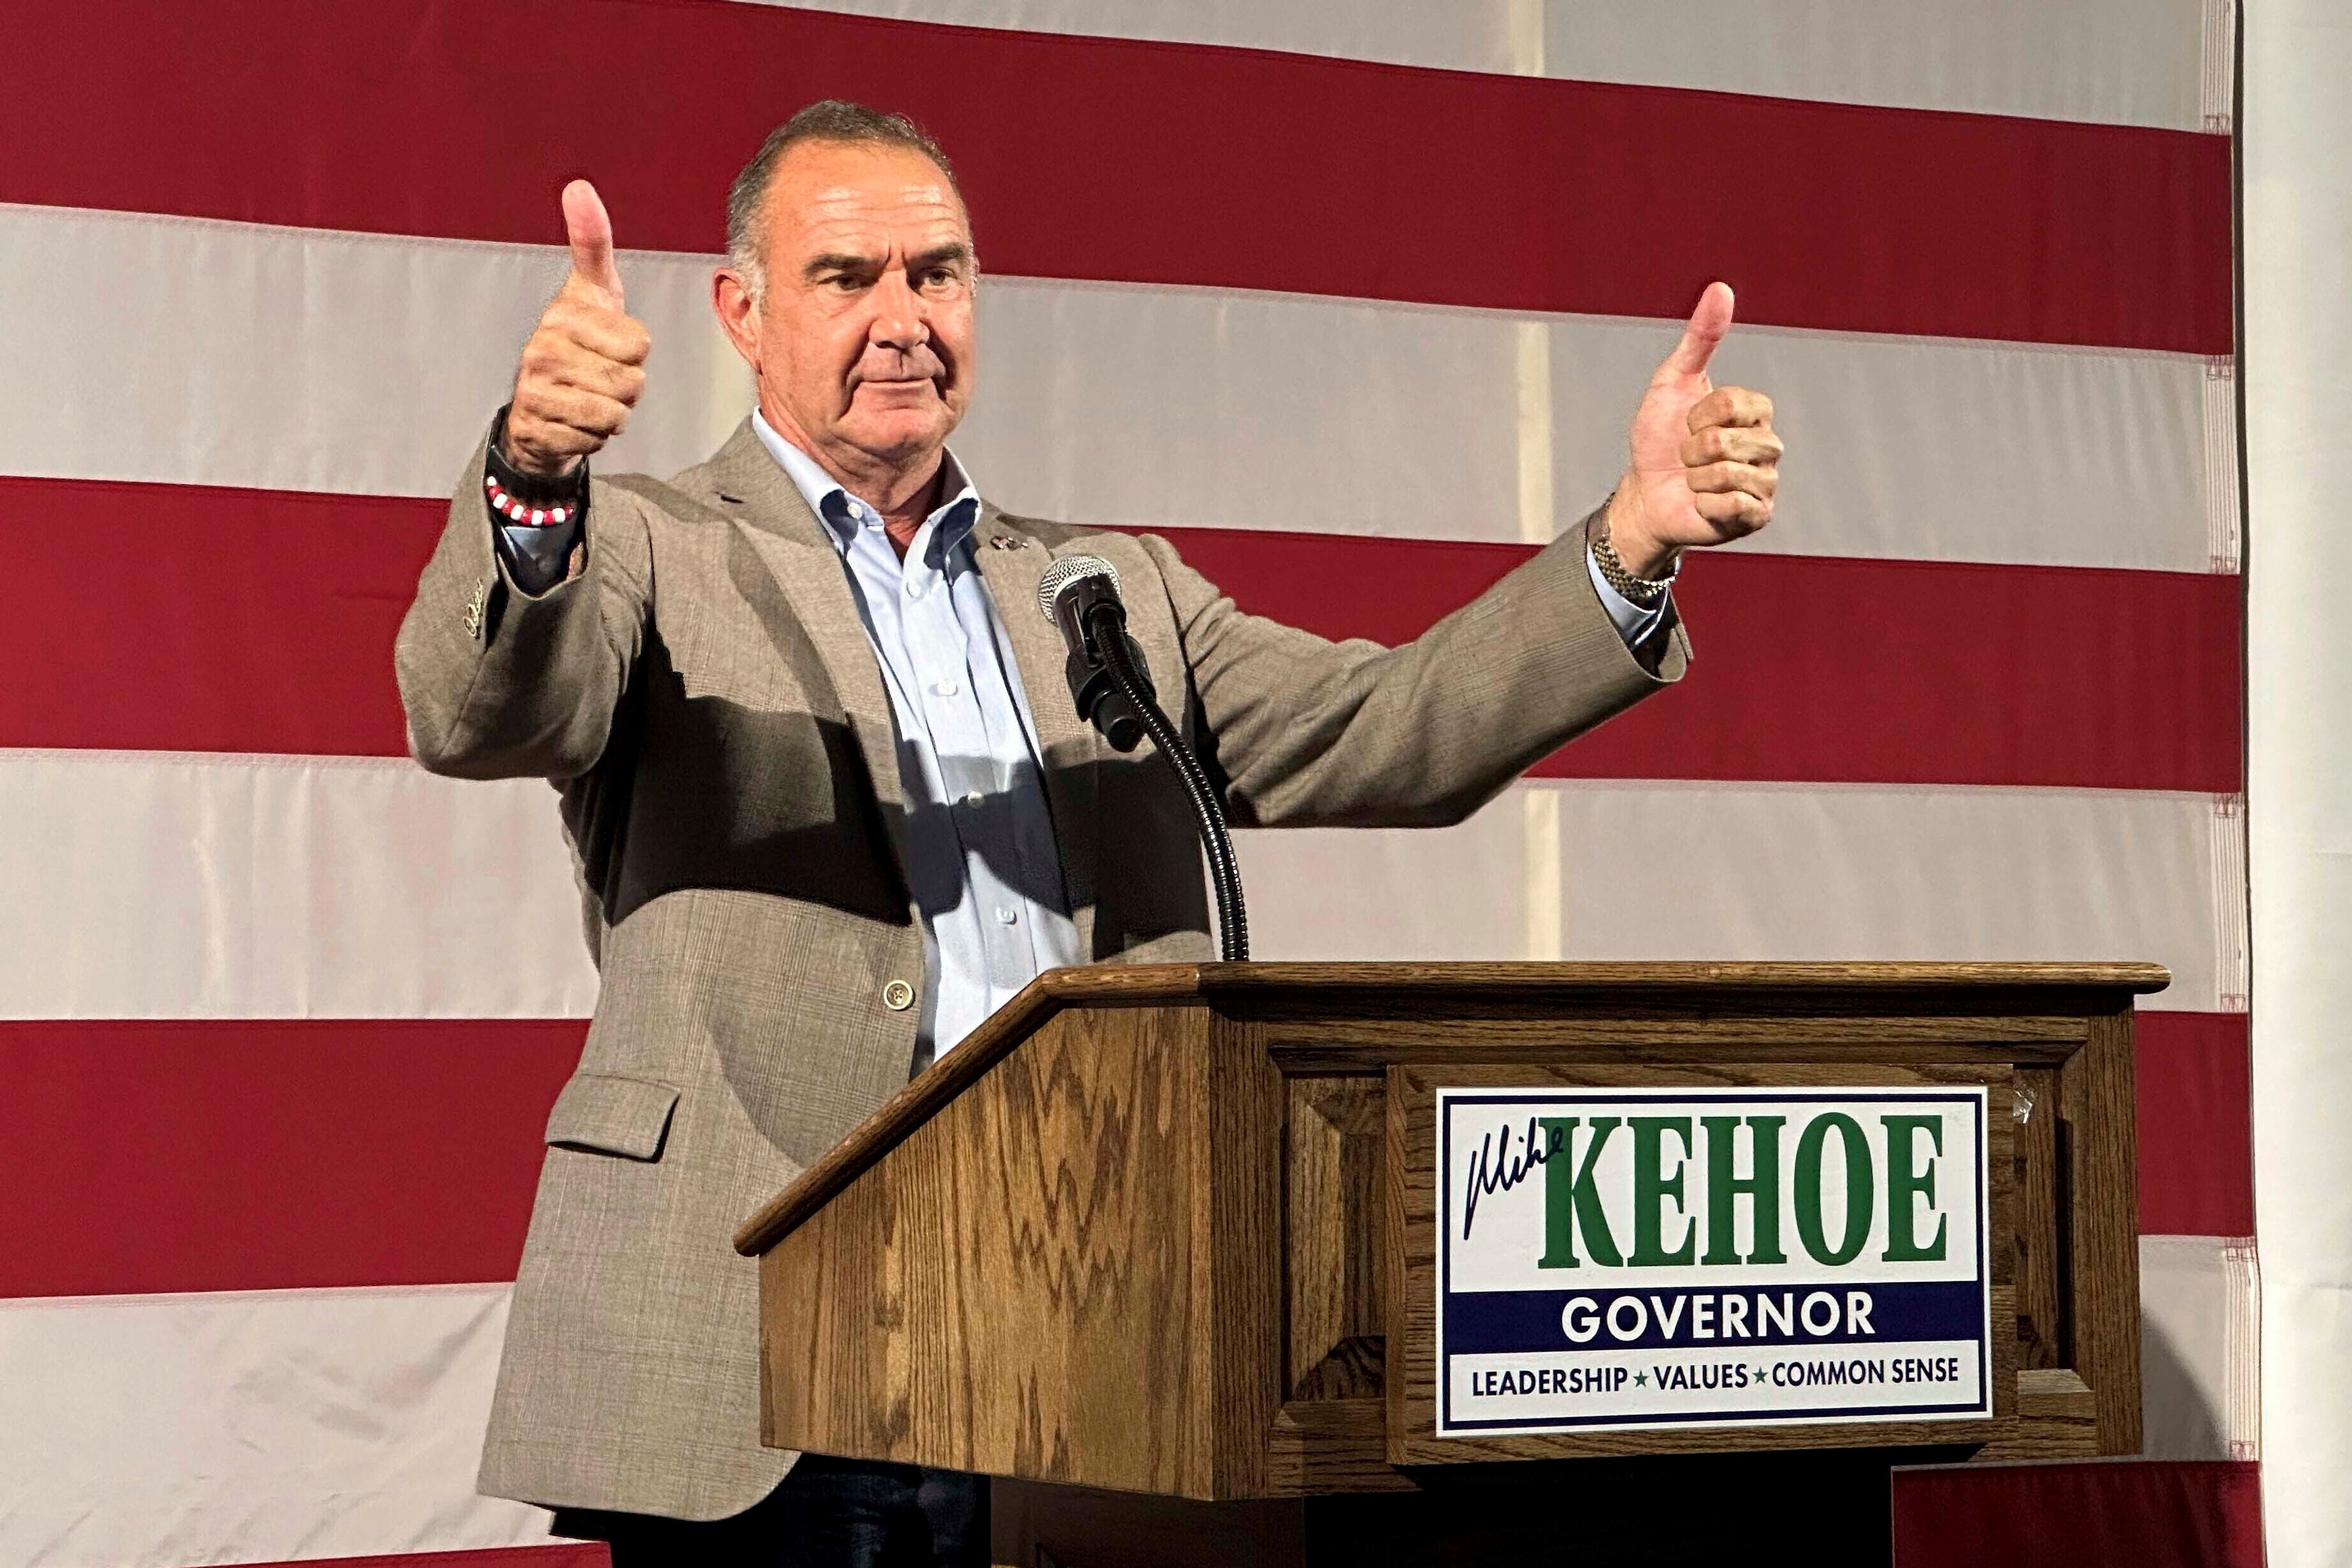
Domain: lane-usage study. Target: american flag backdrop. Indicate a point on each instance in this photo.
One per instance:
(1354, 302)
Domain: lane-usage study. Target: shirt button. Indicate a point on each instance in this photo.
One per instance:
(974, 801)
(897, 996)
(914, 590)
(946, 687)
(1006, 916)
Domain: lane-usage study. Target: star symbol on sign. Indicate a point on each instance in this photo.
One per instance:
(1641, 1380)
(1759, 1372)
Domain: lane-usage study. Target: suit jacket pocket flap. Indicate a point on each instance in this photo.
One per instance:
(612, 1114)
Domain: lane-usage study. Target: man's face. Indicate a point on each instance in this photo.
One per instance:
(862, 341)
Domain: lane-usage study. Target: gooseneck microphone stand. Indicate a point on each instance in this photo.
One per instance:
(1105, 622)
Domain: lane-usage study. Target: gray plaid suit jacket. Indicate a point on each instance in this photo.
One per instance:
(703, 695)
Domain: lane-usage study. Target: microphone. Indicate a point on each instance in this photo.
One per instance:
(1112, 689)
(1074, 591)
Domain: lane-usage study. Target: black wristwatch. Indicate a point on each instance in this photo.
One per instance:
(566, 493)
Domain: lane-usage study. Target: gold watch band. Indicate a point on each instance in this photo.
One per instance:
(1645, 593)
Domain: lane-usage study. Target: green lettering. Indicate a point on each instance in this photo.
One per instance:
(1572, 1204)
(1763, 1189)
(1651, 1188)
(1858, 1188)
(1902, 1182)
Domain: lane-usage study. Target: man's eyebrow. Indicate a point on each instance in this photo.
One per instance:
(866, 266)
(940, 256)
(839, 261)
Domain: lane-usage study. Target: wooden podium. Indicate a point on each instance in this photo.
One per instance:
(1156, 1246)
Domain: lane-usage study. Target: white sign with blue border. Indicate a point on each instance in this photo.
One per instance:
(1624, 1259)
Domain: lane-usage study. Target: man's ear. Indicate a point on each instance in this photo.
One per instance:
(730, 301)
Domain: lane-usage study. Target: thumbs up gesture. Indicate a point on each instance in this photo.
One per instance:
(584, 368)
(1705, 460)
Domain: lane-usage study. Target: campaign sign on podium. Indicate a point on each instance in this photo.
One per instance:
(1644, 1258)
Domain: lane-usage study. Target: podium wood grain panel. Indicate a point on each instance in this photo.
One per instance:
(1025, 1285)
(1323, 1445)
(2044, 1336)
(1337, 1299)
(1237, 1242)
(2057, 1418)
(2098, 1114)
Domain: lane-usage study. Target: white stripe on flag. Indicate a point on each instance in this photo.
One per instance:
(1282, 411)
(2127, 61)
(190, 351)
(193, 886)
(1654, 870)
(158, 1431)
(2199, 1370)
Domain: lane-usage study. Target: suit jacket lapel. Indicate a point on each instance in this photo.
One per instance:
(1068, 750)
(793, 543)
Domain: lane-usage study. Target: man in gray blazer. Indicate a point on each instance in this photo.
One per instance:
(832, 806)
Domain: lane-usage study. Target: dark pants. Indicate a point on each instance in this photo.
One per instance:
(828, 1513)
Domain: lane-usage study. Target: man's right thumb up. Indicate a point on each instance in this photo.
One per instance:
(590, 230)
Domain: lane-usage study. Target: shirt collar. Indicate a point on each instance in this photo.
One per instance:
(954, 517)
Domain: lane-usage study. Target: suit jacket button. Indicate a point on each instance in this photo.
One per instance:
(897, 996)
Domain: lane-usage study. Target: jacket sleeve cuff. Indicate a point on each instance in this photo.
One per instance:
(535, 522)
(1638, 626)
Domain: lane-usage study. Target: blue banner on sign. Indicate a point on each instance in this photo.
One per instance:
(1825, 1314)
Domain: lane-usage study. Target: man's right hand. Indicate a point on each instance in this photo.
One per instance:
(584, 368)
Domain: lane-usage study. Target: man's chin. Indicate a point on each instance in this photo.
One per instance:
(902, 437)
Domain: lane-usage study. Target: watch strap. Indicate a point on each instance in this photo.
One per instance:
(567, 492)
(1642, 593)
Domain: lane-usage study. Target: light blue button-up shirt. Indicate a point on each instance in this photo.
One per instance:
(986, 873)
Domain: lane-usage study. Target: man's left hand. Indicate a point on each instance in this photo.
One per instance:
(1705, 460)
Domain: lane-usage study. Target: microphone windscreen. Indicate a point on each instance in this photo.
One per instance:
(1069, 569)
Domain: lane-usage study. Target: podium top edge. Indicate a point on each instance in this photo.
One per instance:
(1177, 979)
(1179, 984)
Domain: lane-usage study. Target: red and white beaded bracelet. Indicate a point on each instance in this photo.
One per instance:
(508, 507)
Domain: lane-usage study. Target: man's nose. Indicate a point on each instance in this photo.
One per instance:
(900, 322)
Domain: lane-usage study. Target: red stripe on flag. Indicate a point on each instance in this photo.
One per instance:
(2196, 1124)
(1145, 162)
(235, 1154)
(2149, 1514)
(1826, 670)
(250, 1154)
(231, 620)
(164, 617)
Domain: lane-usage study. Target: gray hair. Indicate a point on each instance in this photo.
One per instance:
(827, 120)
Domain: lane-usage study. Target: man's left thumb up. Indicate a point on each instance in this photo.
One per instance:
(1708, 322)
